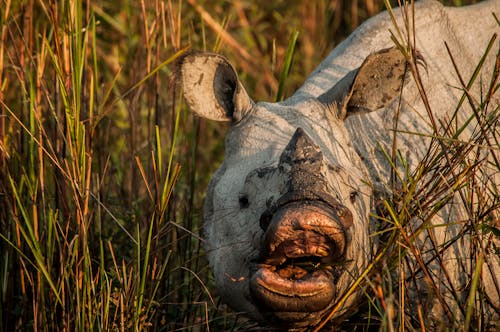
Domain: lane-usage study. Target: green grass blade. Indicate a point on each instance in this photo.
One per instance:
(287, 65)
(471, 300)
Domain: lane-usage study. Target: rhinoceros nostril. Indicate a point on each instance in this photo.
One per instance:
(265, 220)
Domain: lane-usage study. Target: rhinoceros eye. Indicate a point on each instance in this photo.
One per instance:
(243, 200)
(352, 196)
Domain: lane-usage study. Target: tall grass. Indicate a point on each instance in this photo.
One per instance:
(458, 168)
(102, 168)
(90, 231)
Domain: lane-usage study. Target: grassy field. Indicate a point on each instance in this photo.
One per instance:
(102, 167)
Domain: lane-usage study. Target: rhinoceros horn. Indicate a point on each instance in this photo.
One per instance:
(304, 163)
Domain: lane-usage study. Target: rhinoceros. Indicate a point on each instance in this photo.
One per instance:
(293, 220)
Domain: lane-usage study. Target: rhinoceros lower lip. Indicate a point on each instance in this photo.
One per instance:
(292, 289)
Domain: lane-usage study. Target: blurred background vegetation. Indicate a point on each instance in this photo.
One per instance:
(102, 168)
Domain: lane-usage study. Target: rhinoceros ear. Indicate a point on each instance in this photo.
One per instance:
(211, 87)
(372, 86)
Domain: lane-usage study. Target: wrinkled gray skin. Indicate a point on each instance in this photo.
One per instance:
(297, 183)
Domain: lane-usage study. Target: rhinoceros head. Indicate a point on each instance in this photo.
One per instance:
(287, 213)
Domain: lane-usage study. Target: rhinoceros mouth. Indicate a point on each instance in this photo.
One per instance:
(300, 261)
(281, 294)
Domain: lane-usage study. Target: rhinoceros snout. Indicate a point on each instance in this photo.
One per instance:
(305, 228)
(304, 239)
(301, 257)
